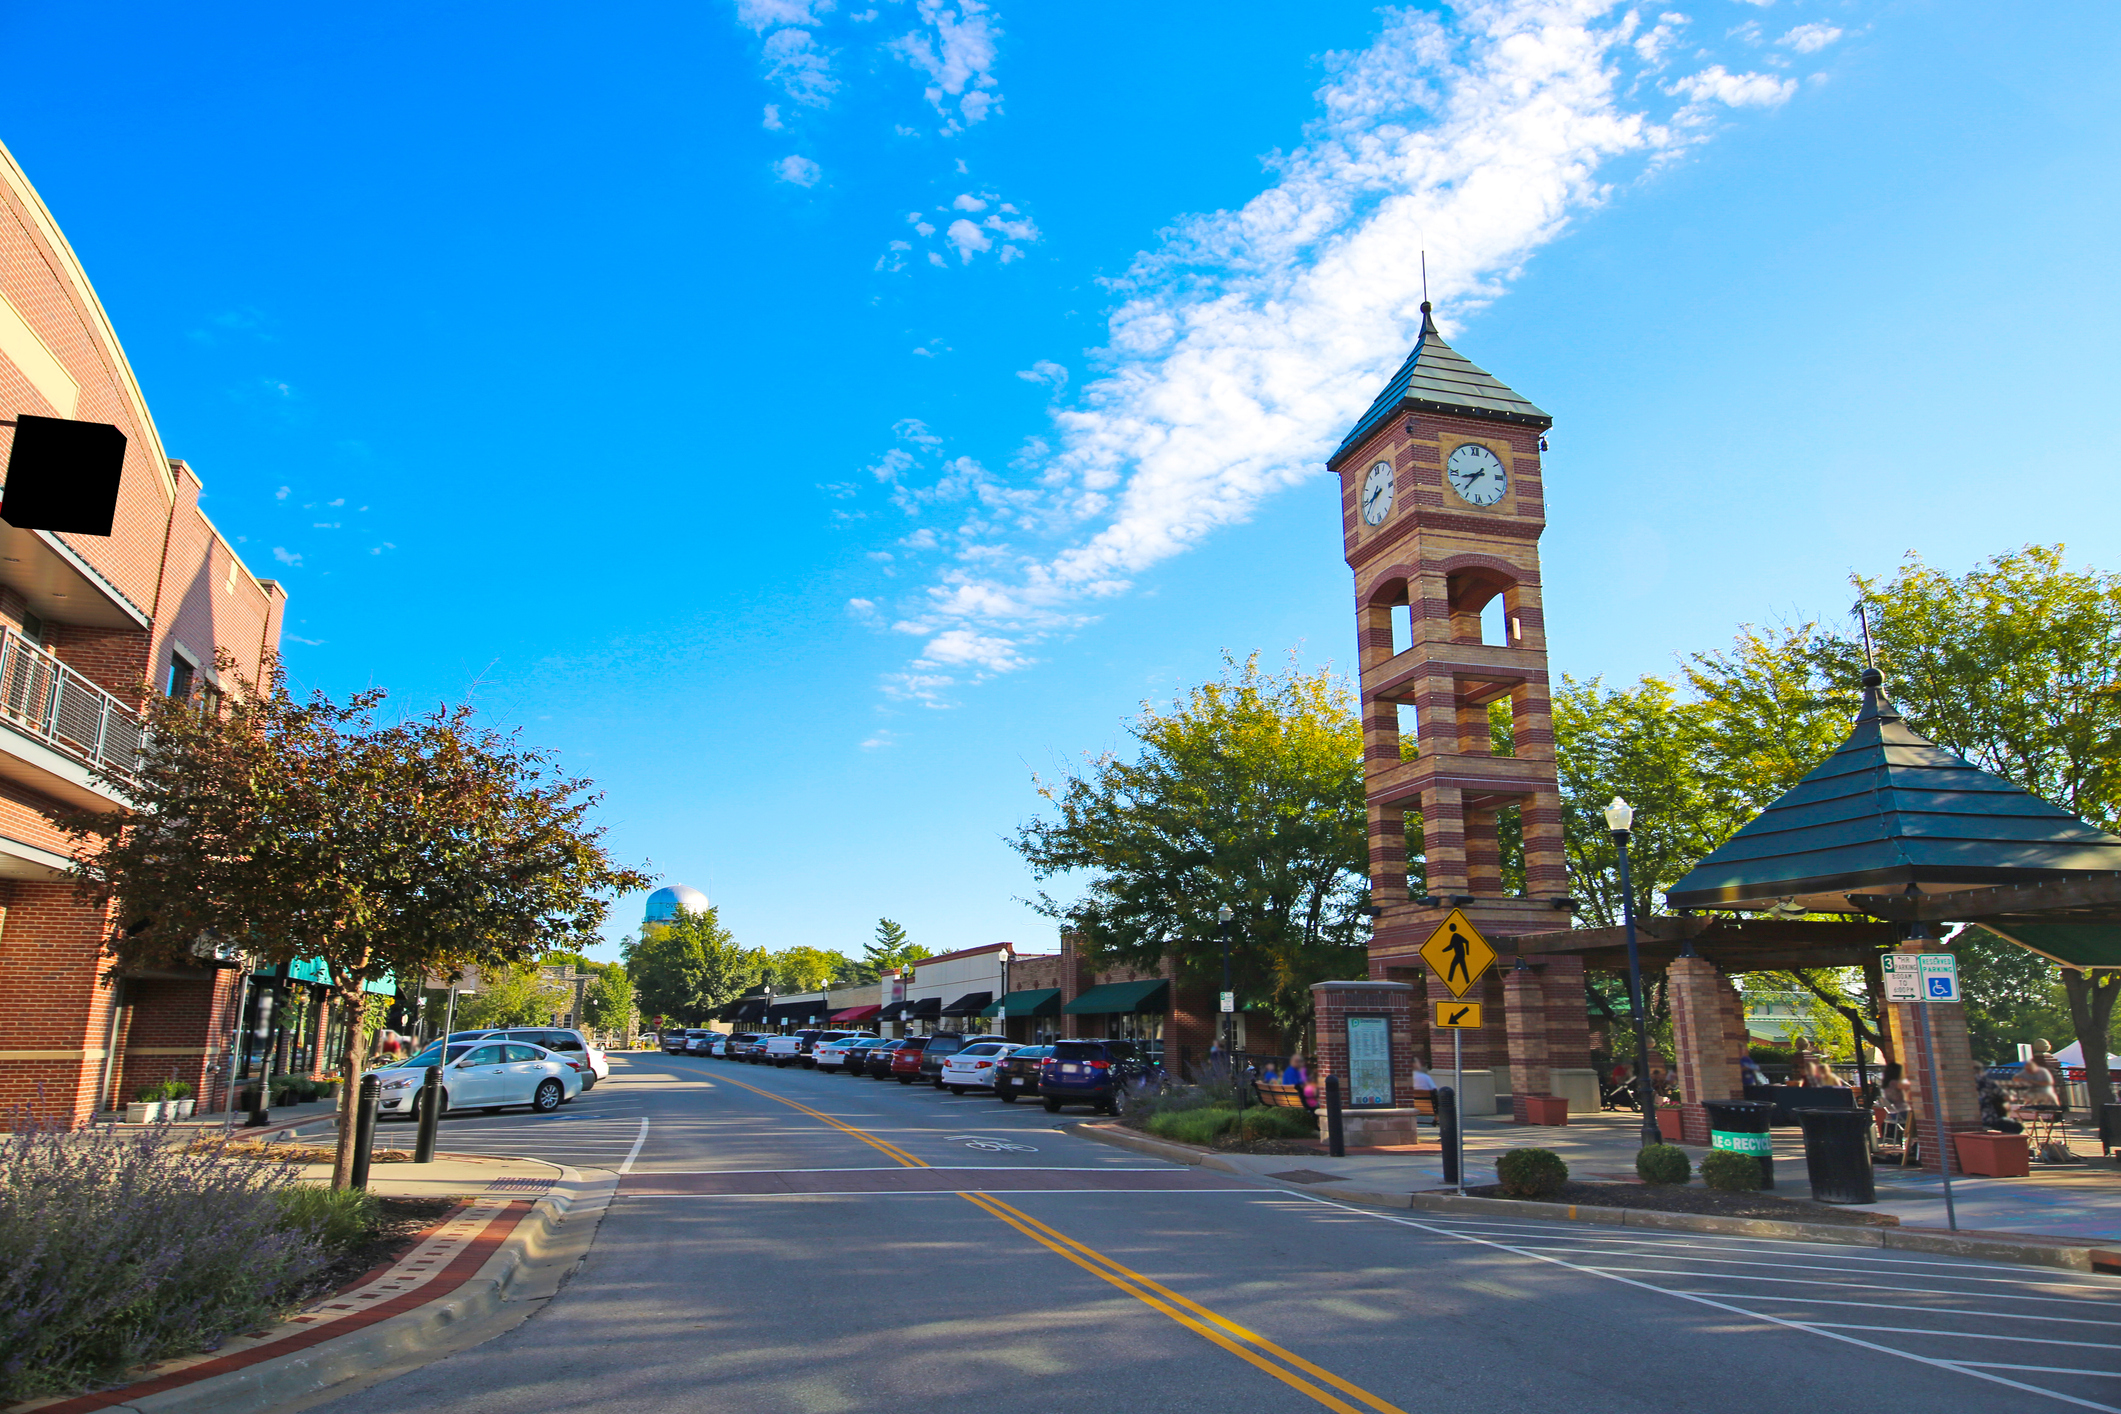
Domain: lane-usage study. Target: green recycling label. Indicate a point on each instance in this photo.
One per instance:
(1760, 1144)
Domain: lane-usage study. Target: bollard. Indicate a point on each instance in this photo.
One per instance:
(1336, 1141)
(364, 1130)
(1447, 1131)
(430, 1103)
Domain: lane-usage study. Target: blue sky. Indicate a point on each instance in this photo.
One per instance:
(811, 419)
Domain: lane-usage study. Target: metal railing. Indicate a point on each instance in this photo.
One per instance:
(45, 698)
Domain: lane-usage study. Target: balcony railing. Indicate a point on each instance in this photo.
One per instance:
(45, 698)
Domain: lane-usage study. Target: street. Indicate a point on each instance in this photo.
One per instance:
(785, 1240)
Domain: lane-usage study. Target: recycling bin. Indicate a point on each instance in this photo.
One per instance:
(1837, 1155)
(1741, 1126)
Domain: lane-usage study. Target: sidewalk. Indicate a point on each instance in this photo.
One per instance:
(2076, 1200)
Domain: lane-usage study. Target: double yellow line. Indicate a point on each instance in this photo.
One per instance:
(1247, 1345)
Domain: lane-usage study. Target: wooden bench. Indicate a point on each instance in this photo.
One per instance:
(1276, 1096)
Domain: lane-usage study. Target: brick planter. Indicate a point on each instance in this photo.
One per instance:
(1543, 1109)
(1993, 1155)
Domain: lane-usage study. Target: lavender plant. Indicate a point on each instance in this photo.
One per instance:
(121, 1247)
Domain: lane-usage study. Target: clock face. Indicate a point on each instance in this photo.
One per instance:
(1377, 494)
(1477, 474)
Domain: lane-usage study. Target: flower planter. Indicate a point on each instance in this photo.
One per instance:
(143, 1112)
(1546, 1109)
(1993, 1155)
(182, 1108)
(1669, 1126)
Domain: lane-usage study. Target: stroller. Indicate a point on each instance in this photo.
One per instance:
(1619, 1095)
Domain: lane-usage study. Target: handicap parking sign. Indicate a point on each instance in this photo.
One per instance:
(1940, 976)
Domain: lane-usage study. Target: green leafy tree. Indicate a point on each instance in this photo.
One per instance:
(890, 950)
(608, 1002)
(808, 969)
(2012, 995)
(311, 829)
(691, 966)
(513, 996)
(1248, 791)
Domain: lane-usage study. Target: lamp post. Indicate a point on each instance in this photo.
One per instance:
(1227, 915)
(1620, 819)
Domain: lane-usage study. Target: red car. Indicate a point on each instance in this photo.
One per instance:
(906, 1060)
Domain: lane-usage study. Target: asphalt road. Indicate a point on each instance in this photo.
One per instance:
(790, 1241)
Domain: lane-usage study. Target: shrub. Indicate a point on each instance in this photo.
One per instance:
(341, 1220)
(177, 1090)
(1531, 1173)
(1663, 1163)
(1263, 1123)
(1193, 1126)
(117, 1247)
(1733, 1173)
(148, 1094)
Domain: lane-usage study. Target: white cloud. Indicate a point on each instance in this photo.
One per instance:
(1811, 38)
(761, 15)
(282, 493)
(772, 122)
(286, 556)
(1044, 371)
(968, 238)
(957, 53)
(884, 737)
(1733, 90)
(1250, 340)
(966, 201)
(802, 69)
(800, 170)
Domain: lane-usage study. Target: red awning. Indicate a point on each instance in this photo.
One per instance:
(856, 1013)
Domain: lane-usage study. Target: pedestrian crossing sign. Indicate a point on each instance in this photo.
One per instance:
(1458, 954)
(1458, 1016)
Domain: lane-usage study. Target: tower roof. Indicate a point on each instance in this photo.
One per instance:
(1889, 810)
(1438, 378)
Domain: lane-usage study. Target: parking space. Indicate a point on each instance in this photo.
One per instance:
(599, 1128)
(2051, 1336)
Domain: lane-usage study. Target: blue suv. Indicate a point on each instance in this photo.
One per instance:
(1089, 1073)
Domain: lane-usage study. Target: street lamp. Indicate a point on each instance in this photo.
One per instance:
(1227, 1001)
(1620, 819)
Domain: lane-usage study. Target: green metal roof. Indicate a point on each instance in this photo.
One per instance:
(1120, 996)
(1038, 1001)
(1888, 810)
(2082, 945)
(1438, 378)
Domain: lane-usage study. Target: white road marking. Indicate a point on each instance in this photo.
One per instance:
(635, 1151)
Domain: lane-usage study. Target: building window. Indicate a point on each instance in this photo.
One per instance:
(180, 677)
(33, 629)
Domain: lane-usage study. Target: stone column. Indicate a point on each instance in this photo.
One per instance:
(1525, 1018)
(1958, 1107)
(1707, 1070)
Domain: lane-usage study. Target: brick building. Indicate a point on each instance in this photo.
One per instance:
(88, 625)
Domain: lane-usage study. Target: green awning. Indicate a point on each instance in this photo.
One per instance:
(1038, 1001)
(1114, 997)
(2084, 945)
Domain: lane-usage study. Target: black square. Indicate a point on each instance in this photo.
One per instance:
(63, 475)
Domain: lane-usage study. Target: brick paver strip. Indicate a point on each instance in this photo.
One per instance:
(920, 1180)
(461, 1269)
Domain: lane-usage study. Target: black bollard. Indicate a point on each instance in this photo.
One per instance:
(1336, 1141)
(430, 1103)
(261, 1095)
(1447, 1131)
(364, 1130)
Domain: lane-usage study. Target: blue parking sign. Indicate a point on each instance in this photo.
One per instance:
(1940, 987)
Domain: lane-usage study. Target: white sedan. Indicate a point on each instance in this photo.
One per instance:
(485, 1075)
(973, 1067)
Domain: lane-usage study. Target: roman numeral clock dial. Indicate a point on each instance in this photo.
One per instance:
(1477, 475)
(1377, 494)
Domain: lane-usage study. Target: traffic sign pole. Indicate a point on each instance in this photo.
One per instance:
(1458, 1092)
(1936, 1106)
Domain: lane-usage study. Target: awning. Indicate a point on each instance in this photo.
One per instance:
(798, 1010)
(897, 1011)
(317, 971)
(856, 1013)
(970, 1004)
(1038, 1001)
(754, 1010)
(1114, 997)
(926, 1007)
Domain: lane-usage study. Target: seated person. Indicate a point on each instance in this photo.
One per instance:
(2039, 1084)
(1995, 1109)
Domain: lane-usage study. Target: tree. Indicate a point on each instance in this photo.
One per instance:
(513, 996)
(892, 950)
(691, 966)
(607, 1003)
(310, 829)
(2012, 994)
(808, 969)
(1249, 792)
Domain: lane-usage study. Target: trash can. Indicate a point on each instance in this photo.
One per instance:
(1837, 1155)
(1742, 1127)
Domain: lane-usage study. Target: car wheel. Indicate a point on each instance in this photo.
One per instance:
(548, 1097)
(905, 1080)
(1007, 1097)
(440, 1110)
(957, 1089)
(1052, 1105)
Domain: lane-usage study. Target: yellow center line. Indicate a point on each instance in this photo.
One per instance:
(1209, 1326)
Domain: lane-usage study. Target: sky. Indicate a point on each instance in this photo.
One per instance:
(812, 418)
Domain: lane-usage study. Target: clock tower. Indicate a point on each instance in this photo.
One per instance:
(1442, 509)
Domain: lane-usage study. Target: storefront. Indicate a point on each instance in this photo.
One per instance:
(1031, 1016)
(1126, 1011)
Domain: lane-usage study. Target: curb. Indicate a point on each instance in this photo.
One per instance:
(532, 1263)
(2067, 1253)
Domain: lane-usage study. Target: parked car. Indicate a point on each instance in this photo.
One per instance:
(836, 1053)
(906, 1060)
(485, 1074)
(1089, 1073)
(733, 1045)
(975, 1067)
(1017, 1074)
(782, 1051)
(674, 1041)
(826, 1038)
(878, 1065)
(753, 1051)
(569, 1042)
(940, 1047)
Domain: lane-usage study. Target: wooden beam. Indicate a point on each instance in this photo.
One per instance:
(2081, 891)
